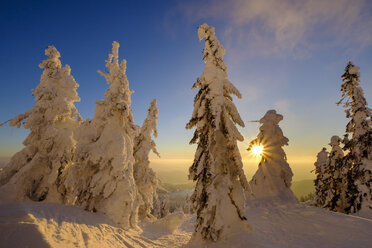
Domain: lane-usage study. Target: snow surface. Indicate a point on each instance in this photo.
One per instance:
(282, 226)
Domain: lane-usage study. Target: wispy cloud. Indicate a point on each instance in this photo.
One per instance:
(273, 27)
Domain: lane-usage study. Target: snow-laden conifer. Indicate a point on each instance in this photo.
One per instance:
(38, 170)
(273, 178)
(320, 172)
(218, 198)
(101, 178)
(359, 146)
(155, 211)
(144, 176)
(332, 179)
(187, 205)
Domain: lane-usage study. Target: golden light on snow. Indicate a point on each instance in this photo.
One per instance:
(257, 150)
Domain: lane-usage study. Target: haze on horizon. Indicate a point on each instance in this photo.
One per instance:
(284, 55)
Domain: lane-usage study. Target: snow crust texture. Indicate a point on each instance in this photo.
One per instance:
(279, 225)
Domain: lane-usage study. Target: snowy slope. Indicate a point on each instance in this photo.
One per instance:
(53, 225)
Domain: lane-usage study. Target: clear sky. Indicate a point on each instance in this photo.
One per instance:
(287, 55)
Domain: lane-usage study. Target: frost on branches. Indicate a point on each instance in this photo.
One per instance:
(144, 176)
(101, 178)
(164, 206)
(334, 185)
(359, 158)
(273, 178)
(38, 170)
(218, 198)
(321, 175)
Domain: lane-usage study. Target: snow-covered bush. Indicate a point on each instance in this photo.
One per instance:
(101, 178)
(273, 178)
(359, 146)
(144, 176)
(218, 198)
(37, 171)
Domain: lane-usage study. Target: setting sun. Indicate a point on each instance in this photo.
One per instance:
(257, 150)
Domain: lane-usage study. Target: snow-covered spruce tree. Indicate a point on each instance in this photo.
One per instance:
(320, 172)
(333, 189)
(164, 205)
(101, 178)
(359, 158)
(38, 170)
(273, 178)
(218, 199)
(144, 176)
(187, 205)
(155, 211)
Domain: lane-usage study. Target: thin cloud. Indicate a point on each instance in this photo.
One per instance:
(272, 27)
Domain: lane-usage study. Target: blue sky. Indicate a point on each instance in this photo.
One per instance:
(288, 55)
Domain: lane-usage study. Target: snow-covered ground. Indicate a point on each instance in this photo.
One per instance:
(298, 225)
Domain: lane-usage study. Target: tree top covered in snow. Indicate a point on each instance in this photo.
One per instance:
(220, 89)
(213, 50)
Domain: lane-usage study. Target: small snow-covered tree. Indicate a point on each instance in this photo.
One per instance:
(187, 205)
(218, 199)
(332, 179)
(359, 158)
(273, 178)
(144, 176)
(101, 178)
(164, 205)
(155, 211)
(37, 171)
(320, 172)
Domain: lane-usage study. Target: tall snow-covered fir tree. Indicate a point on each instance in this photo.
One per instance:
(320, 172)
(38, 170)
(144, 176)
(359, 146)
(273, 178)
(101, 178)
(218, 199)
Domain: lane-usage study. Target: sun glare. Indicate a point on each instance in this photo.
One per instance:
(257, 150)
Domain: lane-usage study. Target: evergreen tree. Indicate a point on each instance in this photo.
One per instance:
(273, 178)
(155, 211)
(164, 205)
(37, 171)
(144, 176)
(101, 178)
(359, 146)
(187, 205)
(333, 191)
(218, 198)
(320, 172)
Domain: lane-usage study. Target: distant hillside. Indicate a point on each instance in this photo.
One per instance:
(303, 187)
(173, 176)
